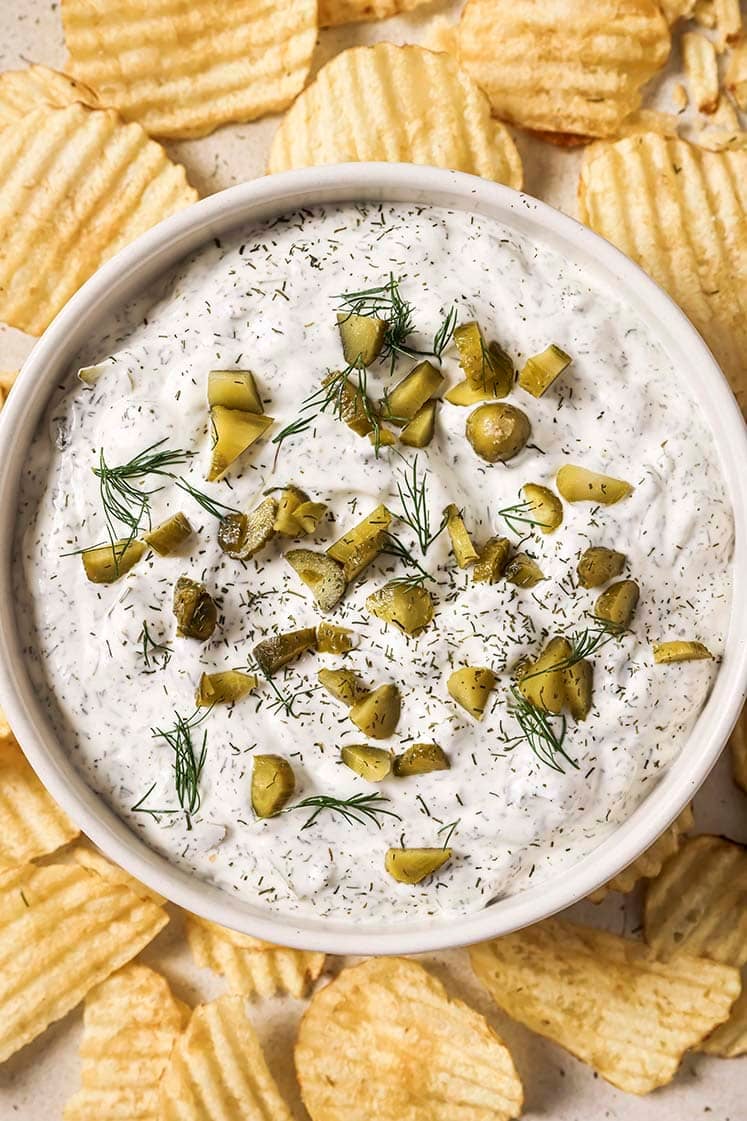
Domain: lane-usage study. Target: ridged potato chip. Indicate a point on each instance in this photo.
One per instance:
(562, 66)
(736, 74)
(675, 10)
(442, 35)
(334, 12)
(130, 1024)
(681, 213)
(607, 999)
(728, 15)
(31, 822)
(62, 931)
(23, 91)
(730, 1038)
(738, 748)
(217, 1070)
(251, 967)
(649, 863)
(385, 1042)
(697, 904)
(181, 68)
(701, 67)
(398, 104)
(93, 860)
(97, 184)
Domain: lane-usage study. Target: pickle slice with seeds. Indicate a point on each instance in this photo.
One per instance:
(523, 571)
(497, 432)
(492, 561)
(321, 573)
(334, 640)
(242, 535)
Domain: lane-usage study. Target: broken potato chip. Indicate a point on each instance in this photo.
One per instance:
(385, 1040)
(650, 862)
(130, 1024)
(63, 930)
(217, 1070)
(93, 860)
(701, 67)
(401, 104)
(181, 68)
(23, 91)
(679, 212)
(97, 185)
(566, 68)
(31, 822)
(334, 12)
(730, 1038)
(696, 904)
(606, 999)
(251, 967)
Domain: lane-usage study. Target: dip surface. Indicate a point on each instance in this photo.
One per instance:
(266, 301)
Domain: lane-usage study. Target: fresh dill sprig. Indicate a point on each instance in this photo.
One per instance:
(539, 731)
(139, 808)
(330, 398)
(189, 758)
(583, 645)
(359, 809)
(211, 505)
(396, 548)
(442, 337)
(384, 302)
(151, 650)
(413, 494)
(519, 513)
(284, 702)
(450, 826)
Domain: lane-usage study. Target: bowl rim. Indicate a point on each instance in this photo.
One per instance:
(153, 254)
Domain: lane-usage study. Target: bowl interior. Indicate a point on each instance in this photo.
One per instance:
(141, 264)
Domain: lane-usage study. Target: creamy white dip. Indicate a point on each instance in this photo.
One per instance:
(266, 301)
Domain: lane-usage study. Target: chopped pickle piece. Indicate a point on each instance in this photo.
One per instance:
(410, 394)
(419, 432)
(342, 684)
(289, 501)
(377, 713)
(485, 367)
(382, 437)
(243, 535)
(470, 687)
(308, 515)
(465, 394)
(680, 651)
(372, 763)
(410, 866)
(362, 337)
(617, 604)
(235, 389)
(321, 573)
(523, 571)
(576, 484)
(408, 607)
(354, 409)
(597, 565)
(195, 610)
(273, 782)
(234, 432)
(360, 545)
(167, 537)
(334, 640)
(224, 688)
(543, 686)
(273, 653)
(541, 370)
(545, 508)
(491, 564)
(461, 543)
(421, 759)
(578, 684)
(498, 432)
(106, 563)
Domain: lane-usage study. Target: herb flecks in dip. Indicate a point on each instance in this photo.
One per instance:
(424, 728)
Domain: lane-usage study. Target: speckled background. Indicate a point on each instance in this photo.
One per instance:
(35, 1084)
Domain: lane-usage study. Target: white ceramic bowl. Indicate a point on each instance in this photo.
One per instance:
(157, 251)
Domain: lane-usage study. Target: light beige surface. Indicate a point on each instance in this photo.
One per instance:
(35, 1083)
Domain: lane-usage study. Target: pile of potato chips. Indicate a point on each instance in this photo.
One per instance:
(82, 173)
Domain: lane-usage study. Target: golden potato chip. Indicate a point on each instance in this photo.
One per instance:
(701, 67)
(677, 9)
(681, 213)
(680, 99)
(442, 35)
(730, 1038)
(704, 13)
(62, 931)
(217, 1070)
(94, 861)
(649, 862)
(76, 185)
(607, 999)
(384, 1042)
(334, 12)
(31, 822)
(738, 747)
(23, 91)
(649, 120)
(181, 68)
(251, 967)
(563, 67)
(398, 104)
(130, 1024)
(736, 74)
(723, 132)
(697, 904)
(728, 15)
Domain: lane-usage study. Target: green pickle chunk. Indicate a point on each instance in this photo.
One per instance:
(408, 607)
(410, 394)
(497, 432)
(223, 688)
(523, 571)
(421, 429)
(273, 783)
(241, 536)
(680, 651)
(377, 713)
(234, 389)
(541, 684)
(371, 763)
(272, 654)
(617, 604)
(321, 573)
(169, 536)
(491, 564)
(342, 684)
(485, 367)
(464, 551)
(410, 866)
(541, 370)
(577, 484)
(421, 759)
(471, 687)
(195, 610)
(597, 565)
(545, 508)
(106, 563)
(234, 431)
(362, 337)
